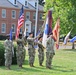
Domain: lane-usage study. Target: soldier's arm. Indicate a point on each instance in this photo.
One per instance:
(25, 41)
(40, 44)
(36, 37)
(6, 44)
(30, 39)
(18, 41)
(47, 41)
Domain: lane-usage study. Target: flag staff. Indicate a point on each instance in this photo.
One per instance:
(36, 17)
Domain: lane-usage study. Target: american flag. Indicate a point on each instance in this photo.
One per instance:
(20, 21)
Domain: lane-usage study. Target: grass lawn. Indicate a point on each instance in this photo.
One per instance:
(64, 63)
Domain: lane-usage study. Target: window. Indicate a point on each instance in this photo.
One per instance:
(34, 16)
(40, 16)
(14, 1)
(25, 3)
(35, 4)
(33, 28)
(3, 28)
(21, 30)
(27, 15)
(13, 28)
(3, 13)
(13, 14)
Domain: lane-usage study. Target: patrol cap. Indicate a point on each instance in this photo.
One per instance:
(30, 33)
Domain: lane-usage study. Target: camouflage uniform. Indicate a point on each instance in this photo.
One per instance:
(41, 53)
(20, 51)
(31, 51)
(8, 53)
(25, 43)
(49, 51)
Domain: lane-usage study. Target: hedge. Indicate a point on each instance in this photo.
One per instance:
(1, 54)
(2, 60)
(2, 37)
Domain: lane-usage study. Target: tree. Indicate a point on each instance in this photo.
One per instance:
(41, 2)
(66, 10)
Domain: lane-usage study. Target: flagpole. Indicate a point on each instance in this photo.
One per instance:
(36, 18)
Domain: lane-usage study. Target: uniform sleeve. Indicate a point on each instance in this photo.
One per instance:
(18, 41)
(47, 41)
(24, 41)
(40, 45)
(30, 39)
(5, 44)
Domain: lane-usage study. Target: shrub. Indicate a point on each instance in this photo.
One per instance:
(1, 54)
(2, 37)
(2, 60)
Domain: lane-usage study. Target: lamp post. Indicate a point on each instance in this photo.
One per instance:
(36, 20)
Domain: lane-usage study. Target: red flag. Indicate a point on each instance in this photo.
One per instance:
(56, 33)
(20, 22)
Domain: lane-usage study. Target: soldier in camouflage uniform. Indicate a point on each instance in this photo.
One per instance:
(25, 43)
(31, 49)
(40, 51)
(20, 51)
(8, 52)
(49, 51)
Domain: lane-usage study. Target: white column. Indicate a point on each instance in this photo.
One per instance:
(36, 18)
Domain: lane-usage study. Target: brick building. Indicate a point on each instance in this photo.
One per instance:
(9, 13)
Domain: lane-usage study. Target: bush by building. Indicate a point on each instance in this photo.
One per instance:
(2, 37)
(2, 60)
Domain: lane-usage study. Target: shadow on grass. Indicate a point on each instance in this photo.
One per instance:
(40, 69)
(26, 62)
(62, 69)
(28, 69)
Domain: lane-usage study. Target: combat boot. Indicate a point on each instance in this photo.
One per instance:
(32, 65)
(20, 66)
(8, 68)
(48, 67)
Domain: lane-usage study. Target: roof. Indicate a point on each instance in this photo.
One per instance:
(8, 4)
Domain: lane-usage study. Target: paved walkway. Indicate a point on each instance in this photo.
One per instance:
(61, 46)
(67, 46)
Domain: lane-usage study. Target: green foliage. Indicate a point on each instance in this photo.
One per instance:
(41, 2)
(1, 54)
(2, 37)
(66, 10)
(2, 60)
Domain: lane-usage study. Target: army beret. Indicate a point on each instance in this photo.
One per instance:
(20, 34)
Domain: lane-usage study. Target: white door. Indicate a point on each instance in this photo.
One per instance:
(28, 27)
